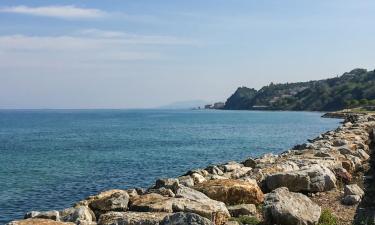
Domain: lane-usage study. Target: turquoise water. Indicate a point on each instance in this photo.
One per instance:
(53, 158)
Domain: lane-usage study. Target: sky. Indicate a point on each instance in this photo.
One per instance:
(145, 54)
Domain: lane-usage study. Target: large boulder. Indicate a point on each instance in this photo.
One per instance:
(38, 222)
(232, 192)
(131, 218)
(352, 194)
(351, 199)
(353, 189)
(168, 183)
(51, 215)
(189, 201)
(152, 203)
(315, 178)
(287, 208)
(185, 218)
(242, 210)
(77, 214)
(186, 181)
(111, 200)
(115, 201)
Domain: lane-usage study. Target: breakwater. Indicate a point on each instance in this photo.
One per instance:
(278, 189)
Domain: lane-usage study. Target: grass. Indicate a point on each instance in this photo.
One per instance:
(246, 220)
(327, 218)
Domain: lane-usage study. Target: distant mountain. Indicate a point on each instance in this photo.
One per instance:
(352, 89)
(185, 104)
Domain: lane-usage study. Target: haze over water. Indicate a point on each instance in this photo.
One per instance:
(53, 158)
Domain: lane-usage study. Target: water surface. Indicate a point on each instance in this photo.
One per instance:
(50, 159)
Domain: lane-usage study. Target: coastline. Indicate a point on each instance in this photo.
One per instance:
(319, 170)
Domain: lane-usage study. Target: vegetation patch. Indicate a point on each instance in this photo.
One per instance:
(327, 218)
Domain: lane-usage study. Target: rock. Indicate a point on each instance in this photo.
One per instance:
(353, 189)
(78, 214)
(38, 222)
(231, 166)
(242, 209)
(186, 181)
(238, 173)
(217, 177)
(110, 201)
(152, 203)
(250, 162)
(322, 154)
(339, 142)
(201, 205)
(232, 192)
(198, 178)
(360, 153)
(214, 170)
(347, 165)
(162, 191)
(345, 150)
(132, 193)
(311, 179)
(52, 215)
(287, 208)
(185, 218)
(189, 193)
(169, 183)
(356, 162)
(351, 199)
(208, 208)
(343, 175)
(131, 218)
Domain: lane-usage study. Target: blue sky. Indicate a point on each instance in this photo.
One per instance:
(140, 54)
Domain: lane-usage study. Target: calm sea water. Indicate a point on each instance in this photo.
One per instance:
(50, 159)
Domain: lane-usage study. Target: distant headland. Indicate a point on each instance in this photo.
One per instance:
(354, 89)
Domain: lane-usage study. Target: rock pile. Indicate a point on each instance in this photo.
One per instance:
(273, 188)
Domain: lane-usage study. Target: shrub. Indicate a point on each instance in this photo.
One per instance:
(327, 218)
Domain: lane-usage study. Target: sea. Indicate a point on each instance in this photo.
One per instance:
(50, 159)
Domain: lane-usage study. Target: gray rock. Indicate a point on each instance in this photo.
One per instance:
(185, 218)
(250, 162)
(186, 181)
(231, 166)
(243, 209)
(77, 214)
(169, 183)
(189, 193)
(351, 199)
(214, 170)
(353, 189)
(360, 153)
(198, 178)
(287, 208)
(339, 142)
(132, 218)
(52, 215)
(162, 191)
(116, 201)
(315, 178)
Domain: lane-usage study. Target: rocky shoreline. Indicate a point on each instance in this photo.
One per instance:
(331, 173)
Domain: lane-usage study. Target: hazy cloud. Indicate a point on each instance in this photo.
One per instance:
(88, 47)
(63, 12)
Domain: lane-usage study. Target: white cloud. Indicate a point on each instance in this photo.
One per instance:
(63, 12)
(87, 47)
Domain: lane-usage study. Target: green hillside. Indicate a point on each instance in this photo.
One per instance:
(352, 89)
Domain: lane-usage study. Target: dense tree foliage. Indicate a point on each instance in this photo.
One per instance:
(352, 89)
